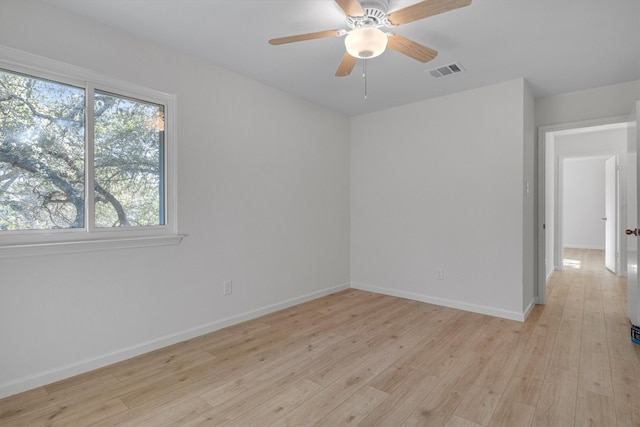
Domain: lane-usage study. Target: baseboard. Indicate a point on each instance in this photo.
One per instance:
(549, 275)
(47, 377)
(459, 305)
(527, 312)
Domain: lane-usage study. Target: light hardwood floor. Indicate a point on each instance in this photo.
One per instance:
(358, 358)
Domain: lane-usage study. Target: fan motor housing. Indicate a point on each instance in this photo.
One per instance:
(381, 5)
(375, 15)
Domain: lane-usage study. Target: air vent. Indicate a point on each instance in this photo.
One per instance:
(447, 70)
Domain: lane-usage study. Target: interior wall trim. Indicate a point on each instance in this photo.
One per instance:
(459, 305)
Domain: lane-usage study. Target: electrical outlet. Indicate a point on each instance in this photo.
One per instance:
(439, 274)
(227, 287)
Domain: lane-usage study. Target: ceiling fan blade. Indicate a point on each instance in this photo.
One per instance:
(308, 36)
(346, 65)
(410, 48)
(424, 9)
(351, 7)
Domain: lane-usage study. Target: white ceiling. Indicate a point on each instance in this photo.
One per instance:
(557, 45)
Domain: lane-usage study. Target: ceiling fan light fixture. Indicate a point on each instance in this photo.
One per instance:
(365, 42)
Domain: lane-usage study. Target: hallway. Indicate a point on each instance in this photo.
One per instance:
(588, 306)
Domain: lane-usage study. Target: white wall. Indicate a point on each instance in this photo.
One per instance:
(263, 197)
(439, 184)
(592, 142)
(583, 193)
(596, 103)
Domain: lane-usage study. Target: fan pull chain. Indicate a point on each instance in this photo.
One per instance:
(364, 76)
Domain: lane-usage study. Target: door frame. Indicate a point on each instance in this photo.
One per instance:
(545, 137)
(617, 208)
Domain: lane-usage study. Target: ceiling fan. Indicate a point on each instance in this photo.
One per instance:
(365, 39)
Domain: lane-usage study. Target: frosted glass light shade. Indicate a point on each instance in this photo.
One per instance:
(365, 42)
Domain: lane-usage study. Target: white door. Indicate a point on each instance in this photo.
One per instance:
(633, 220)
(610, 214)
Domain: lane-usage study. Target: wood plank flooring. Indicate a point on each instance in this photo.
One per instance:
(358, 358)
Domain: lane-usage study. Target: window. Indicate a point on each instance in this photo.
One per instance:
(81, 160)
(128, 162)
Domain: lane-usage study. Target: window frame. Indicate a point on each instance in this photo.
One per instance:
(90, 238)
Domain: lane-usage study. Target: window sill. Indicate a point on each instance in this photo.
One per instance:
(78, 246)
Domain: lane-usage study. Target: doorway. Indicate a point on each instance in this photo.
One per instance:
(588, 200)
(603, 138)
